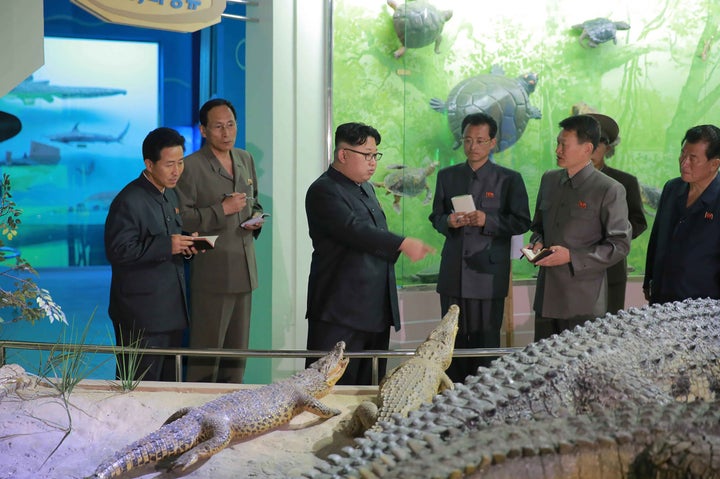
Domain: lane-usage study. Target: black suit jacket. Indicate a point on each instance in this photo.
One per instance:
(147, 291)
(352, 275)
(683, 255)
(476, 261)
(636, 215)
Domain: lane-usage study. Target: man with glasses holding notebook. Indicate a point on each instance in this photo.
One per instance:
(478, 207)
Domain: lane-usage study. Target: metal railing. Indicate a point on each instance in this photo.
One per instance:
(179, 353)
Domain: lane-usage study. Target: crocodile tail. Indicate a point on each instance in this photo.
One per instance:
(154, 447)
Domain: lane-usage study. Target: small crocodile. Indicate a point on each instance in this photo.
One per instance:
(199, 432)
(413, 382)
(660, 362)
(12, 379)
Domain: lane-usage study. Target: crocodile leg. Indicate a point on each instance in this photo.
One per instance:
(218, 433)
(177, 415)
(367, 413)
(313, 405)
(445, 383)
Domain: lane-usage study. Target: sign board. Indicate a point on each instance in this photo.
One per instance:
(175, 15)
(21, 41)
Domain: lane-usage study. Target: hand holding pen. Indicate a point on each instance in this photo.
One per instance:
(234, 203)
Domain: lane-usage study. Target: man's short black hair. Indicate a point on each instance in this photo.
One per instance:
(585, 127)
(480, 118)
(705, 133)
(158, 139)
(210, 104)
(355, 134)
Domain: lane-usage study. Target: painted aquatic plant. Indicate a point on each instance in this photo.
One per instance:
(20, 296)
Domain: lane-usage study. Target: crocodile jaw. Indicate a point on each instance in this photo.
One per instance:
(332, 366)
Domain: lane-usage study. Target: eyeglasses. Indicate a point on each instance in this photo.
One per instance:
(231, 125)
(368, 156)
(470, 141)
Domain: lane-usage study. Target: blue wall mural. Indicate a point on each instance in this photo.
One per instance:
(84, 114)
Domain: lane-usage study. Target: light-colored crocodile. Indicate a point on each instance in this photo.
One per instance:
(649, 370)
(199, 432)
(413, 382)
(12, 378)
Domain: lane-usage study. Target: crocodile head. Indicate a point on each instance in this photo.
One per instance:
(440, 343)
(332, 365)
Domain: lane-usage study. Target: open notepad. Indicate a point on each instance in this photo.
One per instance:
(463, 203)
(255, 220)
(533, 257)
(204, 242)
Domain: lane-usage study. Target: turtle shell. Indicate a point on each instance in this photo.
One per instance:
(418, 24)
(408, 181)
(505, 99)
(600, 30)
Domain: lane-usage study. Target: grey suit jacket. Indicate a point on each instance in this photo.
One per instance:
(588, 215)
(476, 261)
(230, 267)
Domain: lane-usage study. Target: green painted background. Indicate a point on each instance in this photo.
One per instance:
(658, 80)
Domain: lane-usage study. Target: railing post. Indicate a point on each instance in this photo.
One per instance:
(178, 368)
(375, 368)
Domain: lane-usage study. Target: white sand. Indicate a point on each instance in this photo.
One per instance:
(33, 422)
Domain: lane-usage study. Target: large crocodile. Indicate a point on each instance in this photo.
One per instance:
(677, 440)
(622, 386)
(413, 382)
(199, 432)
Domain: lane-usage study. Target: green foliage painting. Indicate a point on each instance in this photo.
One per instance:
(658, 80)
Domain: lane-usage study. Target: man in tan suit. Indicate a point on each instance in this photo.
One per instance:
(218, 193)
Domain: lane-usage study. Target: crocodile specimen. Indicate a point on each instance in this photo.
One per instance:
(625, 389)
(12, 378)
(199, 432)
(413, 382)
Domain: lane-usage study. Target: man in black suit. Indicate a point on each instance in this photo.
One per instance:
(475, 264)
(609, 139)
(683, 255)
(352, 294)
(145, 246)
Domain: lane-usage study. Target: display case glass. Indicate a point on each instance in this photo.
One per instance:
(653, 68)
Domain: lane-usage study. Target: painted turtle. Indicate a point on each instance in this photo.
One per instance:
(599, 30)
(505, 99)
(408, 182)
(418, 24)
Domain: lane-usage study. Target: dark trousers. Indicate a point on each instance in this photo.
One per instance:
(323, 336)
(479, 326)
(617, 284)
(159, 368)
(546, 327)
